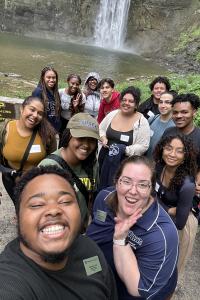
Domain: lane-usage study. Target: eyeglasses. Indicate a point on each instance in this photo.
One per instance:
(178, 151)
(128, 183)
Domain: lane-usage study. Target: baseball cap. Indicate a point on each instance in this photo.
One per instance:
(83, 125)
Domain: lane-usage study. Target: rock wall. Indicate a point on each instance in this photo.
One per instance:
(153, 25)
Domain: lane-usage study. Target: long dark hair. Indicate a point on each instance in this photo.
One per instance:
(54, 90)
(88, 163)
(189, 164)
(44, 128)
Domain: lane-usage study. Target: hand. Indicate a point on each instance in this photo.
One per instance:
(172, 211)
(104, 141)
(122, 226)
(76, 101)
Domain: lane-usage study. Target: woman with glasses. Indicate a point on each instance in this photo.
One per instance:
(175, 187)
(136, 235)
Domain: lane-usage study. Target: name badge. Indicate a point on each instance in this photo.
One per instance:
(150, 113)
(124, 138)
(151, 132)
(92, 265)
(35, 149)
(101, 215)
(157, 187)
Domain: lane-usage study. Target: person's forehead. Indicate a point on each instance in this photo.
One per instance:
(139, 170)
(178, 106)
(47, 183)
(50, 73)
(159, 84)
(165, 97)
(106, 84)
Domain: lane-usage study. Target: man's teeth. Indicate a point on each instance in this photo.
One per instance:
(53, 229)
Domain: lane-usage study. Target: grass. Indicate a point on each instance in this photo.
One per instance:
(18, 88)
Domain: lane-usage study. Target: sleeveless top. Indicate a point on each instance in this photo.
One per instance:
(119, 137)
(13, 150)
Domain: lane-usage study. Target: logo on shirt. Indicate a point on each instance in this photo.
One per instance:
(113, 150)
(134, 240)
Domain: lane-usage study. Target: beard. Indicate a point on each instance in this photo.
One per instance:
(47, 257)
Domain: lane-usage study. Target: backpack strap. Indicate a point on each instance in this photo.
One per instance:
(75, 178)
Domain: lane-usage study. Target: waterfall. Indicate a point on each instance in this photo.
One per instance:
(110, 27)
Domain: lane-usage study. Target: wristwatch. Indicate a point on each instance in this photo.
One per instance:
(123, 242)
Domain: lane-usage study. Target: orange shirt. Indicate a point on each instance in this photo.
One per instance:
(15, 146)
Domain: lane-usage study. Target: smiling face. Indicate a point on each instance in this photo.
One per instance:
(127, 104)
(106, 91)
(32, 113)
(183, 115)
(79, 149)
(92, 83)
(158, 89)
(49, 217)
(73, 85)
(50, 79)
(164, 105)
(173, 153)
(134, 196)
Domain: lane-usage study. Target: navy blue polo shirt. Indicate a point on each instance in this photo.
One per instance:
(153, 239)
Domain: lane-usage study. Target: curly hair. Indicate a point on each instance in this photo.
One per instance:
(45, 130)
(88, 163)
(55, 89)
(134, 91)
(187, 168)
(160, 79)
(189, 97)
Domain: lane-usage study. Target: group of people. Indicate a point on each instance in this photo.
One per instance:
(124, 174)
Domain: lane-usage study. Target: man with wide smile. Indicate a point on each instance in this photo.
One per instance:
(50, 259)
(184, 108)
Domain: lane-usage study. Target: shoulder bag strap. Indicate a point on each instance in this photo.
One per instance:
(26, 153)
(78, 182)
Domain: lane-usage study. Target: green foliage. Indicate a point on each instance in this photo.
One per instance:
(181, 84)
(186, 37)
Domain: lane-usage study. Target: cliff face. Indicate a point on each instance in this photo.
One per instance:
(154, 26)
(60, 19)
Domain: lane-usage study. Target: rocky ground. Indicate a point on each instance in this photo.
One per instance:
(189, 288)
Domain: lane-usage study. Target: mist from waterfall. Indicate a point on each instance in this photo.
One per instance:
(111, 23)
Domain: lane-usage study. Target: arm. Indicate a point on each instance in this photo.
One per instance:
(124, 258)
(106, 122)
(141, 138)
(101, 114)
(185, 200)
(65, 99)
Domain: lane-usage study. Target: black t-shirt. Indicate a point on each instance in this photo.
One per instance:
(181, 198)
(22, 279)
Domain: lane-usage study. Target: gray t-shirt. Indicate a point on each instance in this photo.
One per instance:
(157, 127)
